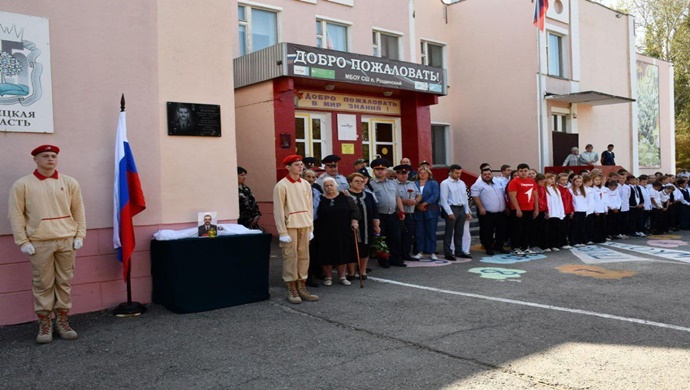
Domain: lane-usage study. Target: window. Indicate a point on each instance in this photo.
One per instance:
(554, 53)
(432, 54)
(559, 122)
(331, 35)
(312, 135)
(386, 45)
(258, 28)
(439, 142)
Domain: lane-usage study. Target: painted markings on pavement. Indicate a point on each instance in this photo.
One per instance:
(594, 254)
(671, 254)
(509, 259)
(665, 237)
(426, 263)
(667, 243)
(496, 273)
(536, 305)
(592, 271)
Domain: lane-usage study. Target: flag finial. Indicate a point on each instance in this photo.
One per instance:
(122, 103)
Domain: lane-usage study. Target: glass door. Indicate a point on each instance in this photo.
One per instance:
(380, 138)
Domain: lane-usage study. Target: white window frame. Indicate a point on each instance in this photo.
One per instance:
(350, 3)
(324, 20)
(325, 141)
(446, 151)
(376, 46)
(248, 7)
(565, 116)
(425, 50)
(564, 50)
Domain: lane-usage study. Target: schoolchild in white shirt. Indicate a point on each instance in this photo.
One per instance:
(613, 203)
(589, 216)
(577, 227)
(555, 216)
(600, 210)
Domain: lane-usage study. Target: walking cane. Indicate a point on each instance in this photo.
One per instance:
(359, 264)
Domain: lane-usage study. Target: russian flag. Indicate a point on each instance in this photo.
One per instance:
(128, 198)
(540, 8)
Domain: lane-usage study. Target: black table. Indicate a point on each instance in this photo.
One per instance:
(199, 274)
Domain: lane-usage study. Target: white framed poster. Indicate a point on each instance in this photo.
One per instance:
(26, 95)
(347, 127)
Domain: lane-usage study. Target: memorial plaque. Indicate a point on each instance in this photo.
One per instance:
(193, 119)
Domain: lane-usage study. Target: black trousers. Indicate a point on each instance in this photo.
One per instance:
(492, 229)
(589, 229)
(613, 223)
(554, 233)
(599, 228)
(390, 228)
(520, 229)
(577, 228)
(407, 235)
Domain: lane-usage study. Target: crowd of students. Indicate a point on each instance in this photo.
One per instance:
(550, 212)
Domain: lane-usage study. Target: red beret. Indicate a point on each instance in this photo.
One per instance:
(45, 148)
(291, 158)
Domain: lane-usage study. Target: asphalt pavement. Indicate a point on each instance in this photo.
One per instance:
(612, 316)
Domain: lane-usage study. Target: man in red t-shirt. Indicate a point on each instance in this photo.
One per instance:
(524, 207)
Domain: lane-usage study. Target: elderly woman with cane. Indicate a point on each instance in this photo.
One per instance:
(368, 222)
(338, 216)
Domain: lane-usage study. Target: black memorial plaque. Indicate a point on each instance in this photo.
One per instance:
(193, 119)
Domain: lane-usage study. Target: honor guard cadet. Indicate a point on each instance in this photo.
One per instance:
(331, 164)
(293, 211)
(409, 196)
(48, 222)
(391, 211)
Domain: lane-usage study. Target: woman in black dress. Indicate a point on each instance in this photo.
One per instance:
(368, 220)
(337, 216)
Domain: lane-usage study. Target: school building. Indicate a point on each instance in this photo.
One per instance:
(469, 83)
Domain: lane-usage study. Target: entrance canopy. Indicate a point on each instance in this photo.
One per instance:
(328, 66)
(592, 98)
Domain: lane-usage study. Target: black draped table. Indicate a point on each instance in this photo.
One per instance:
(199, 274)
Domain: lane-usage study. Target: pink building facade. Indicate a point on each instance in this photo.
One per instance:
(495, 104)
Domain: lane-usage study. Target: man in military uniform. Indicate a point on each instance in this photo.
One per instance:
(391, 211)
(331, 164)
(409, 196)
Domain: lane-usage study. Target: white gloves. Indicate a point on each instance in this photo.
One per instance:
(285, 239)
(311, 236)
(28, 249)
(78, 243)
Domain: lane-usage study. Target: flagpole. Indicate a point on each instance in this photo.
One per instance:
(129, 308)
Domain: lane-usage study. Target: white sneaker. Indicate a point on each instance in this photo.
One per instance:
(566, 247)
(579, 245)
(417, 256)
(555, 249)
(344, 281)
(328, 281)
(433, 256)
(621, 236)
(518, 252)
(547, 250)
(536, 249)
(590, 243)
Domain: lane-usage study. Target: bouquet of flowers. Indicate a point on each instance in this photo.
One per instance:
(379, 249)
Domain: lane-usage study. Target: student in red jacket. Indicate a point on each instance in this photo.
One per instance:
(568, 208)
